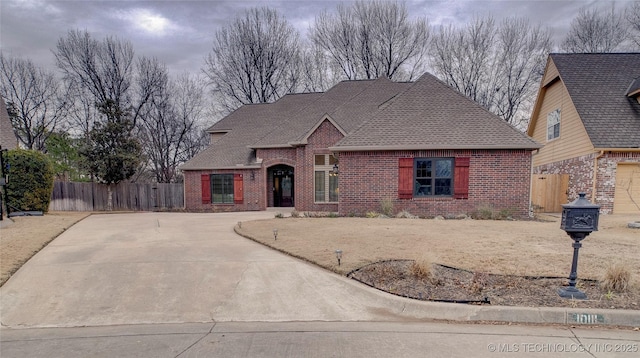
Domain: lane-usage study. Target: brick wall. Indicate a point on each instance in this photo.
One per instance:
(325, 136)
(499, 179)
(250, 183)
(581, 171)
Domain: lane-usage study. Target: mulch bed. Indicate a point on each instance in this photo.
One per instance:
(450, 284)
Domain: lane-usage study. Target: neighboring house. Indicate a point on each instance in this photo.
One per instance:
(422, 147)
(8, 139)
(587, 114)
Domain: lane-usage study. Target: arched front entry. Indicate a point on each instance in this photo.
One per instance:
(281, 181)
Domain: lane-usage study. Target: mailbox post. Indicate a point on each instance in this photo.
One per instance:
(579, 219)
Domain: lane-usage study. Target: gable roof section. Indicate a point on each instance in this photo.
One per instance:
(373, 115)
(634, 89)
(348, 103)
(598, 85)
(432, 115)
(244, 127)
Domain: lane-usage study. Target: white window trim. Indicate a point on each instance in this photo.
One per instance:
(550, 117)
(328, 170)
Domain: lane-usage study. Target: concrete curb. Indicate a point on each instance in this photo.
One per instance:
(422, 310)
(535, 315)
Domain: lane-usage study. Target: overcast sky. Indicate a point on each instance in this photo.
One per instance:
(179, 33)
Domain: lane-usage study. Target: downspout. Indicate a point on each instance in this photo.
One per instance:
(531, 209)
(595, 176)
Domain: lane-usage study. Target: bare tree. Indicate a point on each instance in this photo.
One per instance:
(105, 69)
(465, 58)
(318, 72)
(371, 39)
(633, 18)
(522, 50)
(35, 100)
(498, 66)
(255, 59)
(596, 31)
(168, 125)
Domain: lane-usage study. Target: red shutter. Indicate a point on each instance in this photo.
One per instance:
(206, 188)
(405, 178)
(238, 195)
(461, 178)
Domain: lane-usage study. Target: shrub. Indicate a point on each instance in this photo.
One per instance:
(386, 206)
(295, 214)
(406, 215)
(371, 214)
(421, 268)
(488, 212)
(30, 180)
(279, 215)
(616, 279)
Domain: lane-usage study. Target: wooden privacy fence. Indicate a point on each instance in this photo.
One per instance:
(549, 192)
(73, 196)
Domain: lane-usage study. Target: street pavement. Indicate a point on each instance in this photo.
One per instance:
(184, 284)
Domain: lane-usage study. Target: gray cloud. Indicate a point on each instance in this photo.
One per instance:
(31, 28)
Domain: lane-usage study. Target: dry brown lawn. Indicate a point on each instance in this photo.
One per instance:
(26, 235)
(533, 248)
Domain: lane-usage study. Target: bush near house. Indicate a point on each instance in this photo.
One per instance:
(30, 180)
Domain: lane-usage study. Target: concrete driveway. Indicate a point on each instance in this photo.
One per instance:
(173, 268)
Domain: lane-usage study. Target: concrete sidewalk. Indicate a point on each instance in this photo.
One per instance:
(159, 268)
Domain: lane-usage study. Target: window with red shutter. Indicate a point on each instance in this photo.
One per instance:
(461, 178)
(206, 188)
(238, 194)
(405, 178)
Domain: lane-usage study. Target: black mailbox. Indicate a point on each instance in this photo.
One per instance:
(579, 219)
(580, 216)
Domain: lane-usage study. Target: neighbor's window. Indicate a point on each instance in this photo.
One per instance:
(222, 188)
(433, 177)
(553, 125)
(325, 179)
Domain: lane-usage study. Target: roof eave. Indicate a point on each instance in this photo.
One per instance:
(621, 149)
(431, 147)
(271, 146)
(224, 167)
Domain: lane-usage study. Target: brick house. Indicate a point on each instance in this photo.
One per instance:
(587, 114)
(421, 146)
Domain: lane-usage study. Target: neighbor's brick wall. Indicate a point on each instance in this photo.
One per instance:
(500, 179)
(606, 177)
(251, 188)
(580, 172)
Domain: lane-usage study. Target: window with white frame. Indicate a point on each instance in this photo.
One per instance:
(325, 179)
(553, 125)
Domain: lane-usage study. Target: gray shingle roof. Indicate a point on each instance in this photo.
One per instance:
(432, 115)
(426, 114)
(244, 127)
(598, 85)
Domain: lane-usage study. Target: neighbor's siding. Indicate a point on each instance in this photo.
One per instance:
(499, 179)
(573, 141)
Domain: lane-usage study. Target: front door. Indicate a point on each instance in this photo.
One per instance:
(283, 188)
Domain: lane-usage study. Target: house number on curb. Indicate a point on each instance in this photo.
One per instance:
(585, 318)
